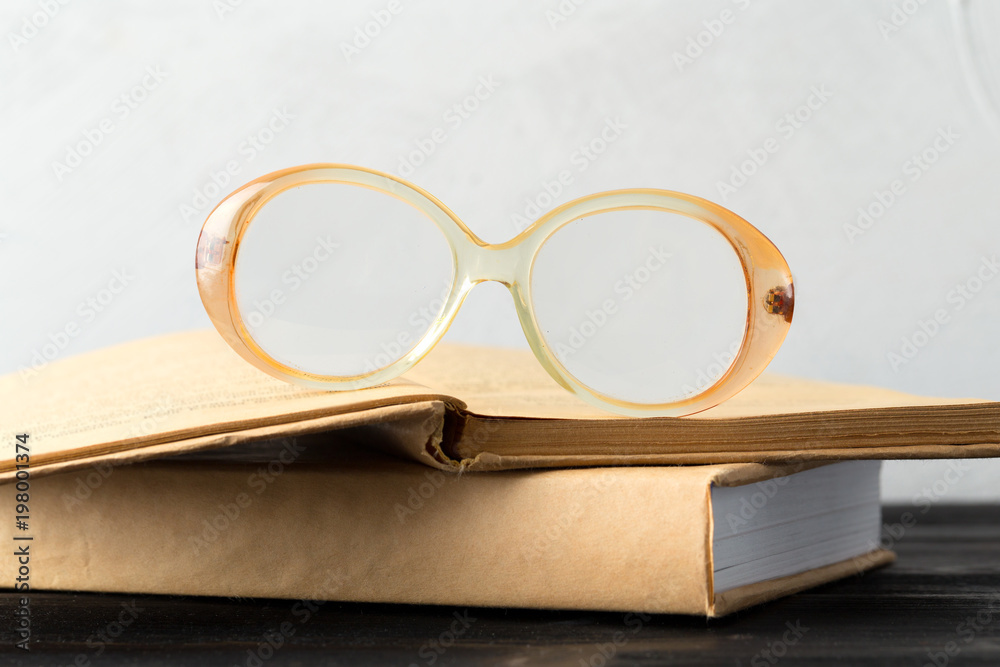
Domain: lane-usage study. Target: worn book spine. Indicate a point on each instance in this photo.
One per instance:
(371, 528)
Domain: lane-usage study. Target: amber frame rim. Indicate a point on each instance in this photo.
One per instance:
(770, 294)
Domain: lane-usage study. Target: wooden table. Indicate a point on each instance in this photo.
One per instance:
(921, 610)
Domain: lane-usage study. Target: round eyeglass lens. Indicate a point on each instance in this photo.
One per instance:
(641, 305)
(335, 279)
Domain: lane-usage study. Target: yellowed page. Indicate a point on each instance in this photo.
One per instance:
(511, 383)
(165, 389)
(935, 431)
(189, 390)
(410, 430)
(520, 418)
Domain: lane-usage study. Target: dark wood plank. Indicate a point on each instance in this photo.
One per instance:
(948, 572)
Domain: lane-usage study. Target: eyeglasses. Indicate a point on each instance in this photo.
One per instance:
(641, 302)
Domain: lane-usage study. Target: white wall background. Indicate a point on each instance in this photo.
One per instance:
(226, 66)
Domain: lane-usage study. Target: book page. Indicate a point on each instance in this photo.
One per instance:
(511, 383)
(518, 417)
(190, 390)
(164, 389)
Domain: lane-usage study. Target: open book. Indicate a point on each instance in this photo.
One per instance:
(462, 407)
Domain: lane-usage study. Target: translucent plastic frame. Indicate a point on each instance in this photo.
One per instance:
(769, 288)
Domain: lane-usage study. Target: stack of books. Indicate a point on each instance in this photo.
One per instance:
(171, 466)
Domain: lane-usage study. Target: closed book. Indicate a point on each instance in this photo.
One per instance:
(305, 518)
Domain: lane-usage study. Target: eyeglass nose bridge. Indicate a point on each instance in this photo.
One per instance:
(502, 263)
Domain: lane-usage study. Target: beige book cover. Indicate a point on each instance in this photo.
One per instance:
(359, 525)
(461, 408)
